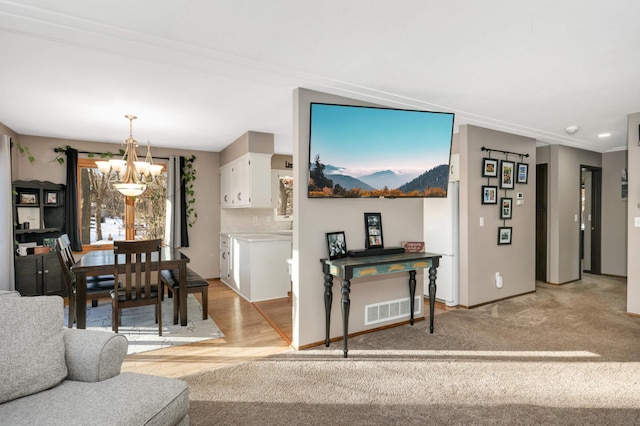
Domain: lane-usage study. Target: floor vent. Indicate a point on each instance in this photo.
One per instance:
(390, 310)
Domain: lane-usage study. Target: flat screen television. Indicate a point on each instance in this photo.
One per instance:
(373, 152)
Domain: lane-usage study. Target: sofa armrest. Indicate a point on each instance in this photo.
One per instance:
(93, 356)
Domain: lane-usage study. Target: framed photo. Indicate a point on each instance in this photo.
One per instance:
(373, 230)
(51, 197)
(505, 208)
(523, 173)
(489, 194)
(28, 198)
(489, 167)
(504, 235)
(507, 174)
(337, 245)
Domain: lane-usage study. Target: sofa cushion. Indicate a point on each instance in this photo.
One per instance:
(32, 353)
(126, 399)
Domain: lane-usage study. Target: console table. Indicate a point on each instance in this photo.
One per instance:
(360, 267)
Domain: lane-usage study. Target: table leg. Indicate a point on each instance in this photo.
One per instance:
(328, 301)
(81, 300)
(346, 303)
(432, 296)
(412, 292)
(182, 293)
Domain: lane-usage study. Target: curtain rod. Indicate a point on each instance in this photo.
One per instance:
(100, 153)
(504, 152)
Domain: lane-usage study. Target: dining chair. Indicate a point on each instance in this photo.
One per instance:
(141, 285)
(101, 283)
(95, 289)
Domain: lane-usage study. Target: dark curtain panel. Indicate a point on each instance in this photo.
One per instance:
(71, 201)
(184, 233)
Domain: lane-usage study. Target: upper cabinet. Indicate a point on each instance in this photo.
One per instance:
(245, 182)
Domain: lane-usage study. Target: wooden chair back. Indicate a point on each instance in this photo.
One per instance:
(141, 285)
(69, 279)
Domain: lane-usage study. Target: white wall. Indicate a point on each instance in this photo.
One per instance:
(402, 221)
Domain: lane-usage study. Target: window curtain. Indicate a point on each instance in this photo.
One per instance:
(72, 225)
(7, 247)
(176, 229)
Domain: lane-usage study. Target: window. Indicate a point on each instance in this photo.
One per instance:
(101, 209)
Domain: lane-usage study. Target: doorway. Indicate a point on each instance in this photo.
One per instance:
(590, 223)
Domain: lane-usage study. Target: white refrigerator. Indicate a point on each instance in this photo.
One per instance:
(441, 236)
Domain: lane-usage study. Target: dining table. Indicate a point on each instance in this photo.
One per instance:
(102, 262)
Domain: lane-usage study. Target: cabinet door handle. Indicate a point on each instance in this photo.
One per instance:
(46, 271)
(224, 255)
(225, 199)
(239, 197)
(39, 272)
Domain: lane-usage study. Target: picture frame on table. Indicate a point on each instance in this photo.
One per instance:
(504, 235)
(507, 178)
(489, 194)
(506, 205)
(51, 198)
(522, 175)
(489, 167)
(373, 230)
(337, 245)
(28, 198)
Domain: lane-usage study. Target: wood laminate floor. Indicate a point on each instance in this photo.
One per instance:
(251, 331)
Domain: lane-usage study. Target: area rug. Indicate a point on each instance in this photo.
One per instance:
(140, 328)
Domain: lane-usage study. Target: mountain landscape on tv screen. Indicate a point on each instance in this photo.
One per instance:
(335, 183)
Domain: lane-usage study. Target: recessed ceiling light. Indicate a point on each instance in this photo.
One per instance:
(604, 135)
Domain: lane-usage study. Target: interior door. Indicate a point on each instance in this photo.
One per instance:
(541, 222)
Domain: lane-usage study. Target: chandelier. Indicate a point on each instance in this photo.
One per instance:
(131, 174)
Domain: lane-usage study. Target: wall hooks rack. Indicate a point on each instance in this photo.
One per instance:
(490, 150)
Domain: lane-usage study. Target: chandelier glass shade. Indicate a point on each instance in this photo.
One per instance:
(130, 173)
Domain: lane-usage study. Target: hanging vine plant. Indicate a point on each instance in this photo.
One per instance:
(189, 177)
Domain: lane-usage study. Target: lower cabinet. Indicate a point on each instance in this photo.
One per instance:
(39, 274)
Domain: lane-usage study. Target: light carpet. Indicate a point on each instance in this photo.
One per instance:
(140, 328)
(562, 356)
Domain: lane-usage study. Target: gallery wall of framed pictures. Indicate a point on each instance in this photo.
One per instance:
(508, 173)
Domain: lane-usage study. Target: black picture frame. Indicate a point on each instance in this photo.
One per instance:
(337, 245)
(505, 234)
(489, 167)
(489, 194)
(373, 230)
(507, 171)
(522, 174)
(506, 208)
(51, 198)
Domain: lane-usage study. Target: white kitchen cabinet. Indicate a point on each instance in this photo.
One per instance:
(255, 265)
(225, 259)
(245, 182)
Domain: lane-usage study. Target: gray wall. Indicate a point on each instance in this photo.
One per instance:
(614, 215)
(402, 221)
(633, 211)
(480, 256)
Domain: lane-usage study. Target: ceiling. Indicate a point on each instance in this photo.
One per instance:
(198, 74)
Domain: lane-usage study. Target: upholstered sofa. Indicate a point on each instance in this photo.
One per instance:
(51, 375)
